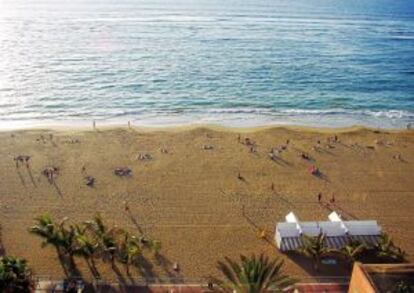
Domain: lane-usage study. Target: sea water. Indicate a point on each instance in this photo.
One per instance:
(236, 63)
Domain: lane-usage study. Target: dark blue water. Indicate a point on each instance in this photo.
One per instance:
(324, 62)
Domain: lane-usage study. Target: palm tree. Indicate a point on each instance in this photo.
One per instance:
(150, 244)
(66, 238)
(15, 275)
(387, 250)
(129, 250)
(156, 246)
(86, 247)
(253, 275)
(46, 229)
(353, 250)
(315, 248)
(105, 237)
(131, 247)
(57, 235)
(61, 237)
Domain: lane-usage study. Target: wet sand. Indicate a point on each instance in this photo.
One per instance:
(187, 193)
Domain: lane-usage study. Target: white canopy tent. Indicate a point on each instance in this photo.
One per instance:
(338, 232)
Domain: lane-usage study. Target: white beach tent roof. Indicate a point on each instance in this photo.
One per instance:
(338, 232)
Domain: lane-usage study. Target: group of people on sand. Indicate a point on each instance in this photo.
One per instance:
(331, 140)
(273, 151)
(248, 142)
(51, 173)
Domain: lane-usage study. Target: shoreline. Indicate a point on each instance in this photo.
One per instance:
(67, 128)
(228, 121)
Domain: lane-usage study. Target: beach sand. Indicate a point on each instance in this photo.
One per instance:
(191, 198)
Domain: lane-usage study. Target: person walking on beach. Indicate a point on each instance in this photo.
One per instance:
(27, 159)
(319, 197)
(126, 206)
(333, 198)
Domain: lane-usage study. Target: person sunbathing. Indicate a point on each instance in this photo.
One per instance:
(273, 156)
(123, 171)
(90, 181)
(144, 157)
(248, 141)
(314, 170)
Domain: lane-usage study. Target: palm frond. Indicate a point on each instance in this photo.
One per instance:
(253, 274)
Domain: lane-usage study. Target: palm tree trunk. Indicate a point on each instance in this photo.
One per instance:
(112, 258)
(351, 264)
(95, 270)
(88, 262)
(316, 263)
(72, 266)
(62, 260)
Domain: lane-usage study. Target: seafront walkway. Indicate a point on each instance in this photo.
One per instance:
(322, 284)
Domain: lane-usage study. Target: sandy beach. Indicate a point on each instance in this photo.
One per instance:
(185, 188)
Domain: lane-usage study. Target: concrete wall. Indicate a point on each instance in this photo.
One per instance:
(359, 281)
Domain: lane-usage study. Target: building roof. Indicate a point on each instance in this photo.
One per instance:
(336, 242)
(382, 277)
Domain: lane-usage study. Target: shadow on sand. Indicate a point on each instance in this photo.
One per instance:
(68, 265)
(29, 171)
(21, 177)
(134, 221)
(2, 248)
(337, 272)
(332, 207)
(59, 192)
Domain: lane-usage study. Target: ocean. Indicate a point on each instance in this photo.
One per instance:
(235, 63)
